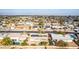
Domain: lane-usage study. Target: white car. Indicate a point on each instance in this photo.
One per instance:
(77, 30)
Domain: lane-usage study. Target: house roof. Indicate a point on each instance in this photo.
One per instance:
(15, 36)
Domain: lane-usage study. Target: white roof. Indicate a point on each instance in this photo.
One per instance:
(57, 26)
(15, 36)
(2, 35)
(29, 23)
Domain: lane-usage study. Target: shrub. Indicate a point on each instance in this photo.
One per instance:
(33, 44)
(24, 43)
(43, 43)
(61, 43)
(6, 41)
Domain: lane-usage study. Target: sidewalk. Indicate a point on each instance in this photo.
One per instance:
(36, 47)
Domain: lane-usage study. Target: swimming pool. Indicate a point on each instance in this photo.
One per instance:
(62, 37)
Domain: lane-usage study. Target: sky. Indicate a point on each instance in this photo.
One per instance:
(39, 12)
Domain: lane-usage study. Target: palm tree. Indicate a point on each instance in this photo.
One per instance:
(41, 24)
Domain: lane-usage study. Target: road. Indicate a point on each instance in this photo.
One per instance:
(34, 32)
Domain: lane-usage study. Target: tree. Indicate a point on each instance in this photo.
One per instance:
(61, 43)
(41, 22)
(6, 41)
(50, 41)
(41, 26)
(61, 20)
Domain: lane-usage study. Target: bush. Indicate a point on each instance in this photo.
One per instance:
(24, 43)
(43, 43)
(61, 43)
(33, 44)
(6, 41)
